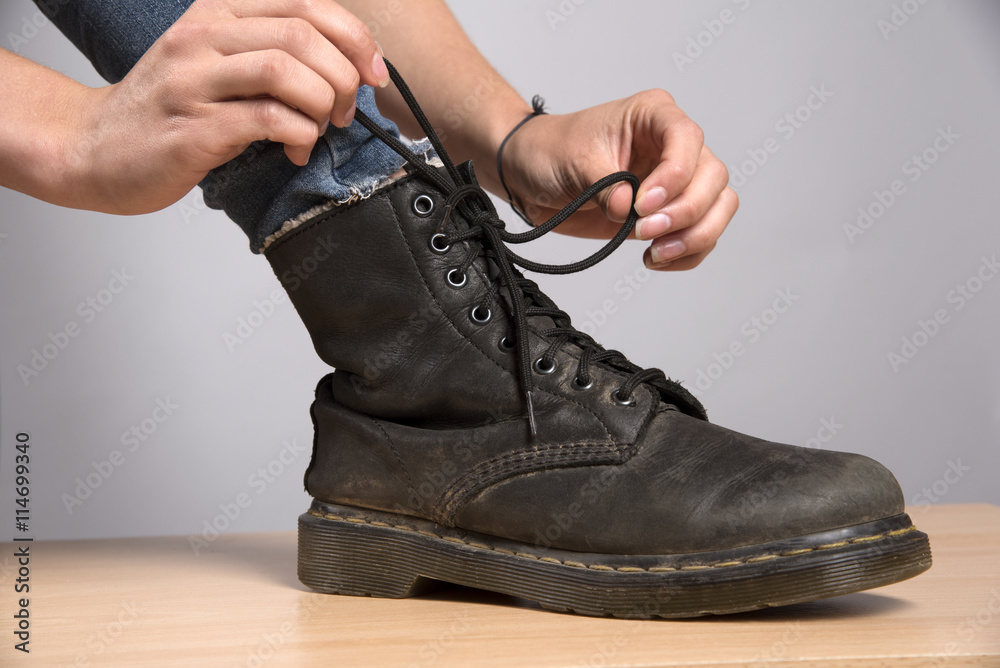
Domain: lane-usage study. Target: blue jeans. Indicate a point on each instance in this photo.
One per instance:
(260, 189)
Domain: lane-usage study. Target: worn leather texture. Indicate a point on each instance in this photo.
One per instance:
(423, 415)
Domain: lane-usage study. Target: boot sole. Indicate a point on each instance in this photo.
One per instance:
(357, 552)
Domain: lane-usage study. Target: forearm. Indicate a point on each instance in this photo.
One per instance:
(466, 100)
(38, 109)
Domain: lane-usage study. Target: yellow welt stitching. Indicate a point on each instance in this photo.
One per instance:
(623, 569)
(828, 546)
(867, 539)
(792, 553)
(763, 557)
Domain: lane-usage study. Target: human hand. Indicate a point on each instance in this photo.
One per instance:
(684, 202)
(227, 73)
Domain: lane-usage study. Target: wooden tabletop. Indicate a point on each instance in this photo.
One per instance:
(152, 602)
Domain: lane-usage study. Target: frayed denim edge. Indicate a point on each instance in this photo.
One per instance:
(356, 195)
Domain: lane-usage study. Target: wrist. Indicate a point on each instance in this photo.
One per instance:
(71, 148)
(88, 152)
(489, 137)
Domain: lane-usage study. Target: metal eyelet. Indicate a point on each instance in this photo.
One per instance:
(456, 278)
(480, 314)
(579, 387)
(423, 205)
(506, 345)
(543, 369)
(630, 401)
(437, 245)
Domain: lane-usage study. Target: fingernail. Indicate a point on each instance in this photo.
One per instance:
(322, 128)
(661, 253)
(349, 116)
(651, 201)
(652, 226)
(379, 69)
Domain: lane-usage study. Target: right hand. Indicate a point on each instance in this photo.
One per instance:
(226, 74)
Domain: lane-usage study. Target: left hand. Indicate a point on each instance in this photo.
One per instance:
(684, 202)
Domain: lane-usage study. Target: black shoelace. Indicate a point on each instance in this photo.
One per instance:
(525, 299)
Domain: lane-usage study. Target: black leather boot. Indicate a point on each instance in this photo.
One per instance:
(470, 435)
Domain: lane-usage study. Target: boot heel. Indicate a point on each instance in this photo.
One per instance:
(341, 557)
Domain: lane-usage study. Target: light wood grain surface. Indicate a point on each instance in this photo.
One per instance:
(152, 602)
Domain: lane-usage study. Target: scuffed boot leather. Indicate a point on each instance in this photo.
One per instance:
(470, 435)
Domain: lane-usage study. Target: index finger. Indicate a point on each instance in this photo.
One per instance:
(679, 141)
(342, 28)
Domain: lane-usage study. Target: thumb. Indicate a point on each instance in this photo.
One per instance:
(616, 201)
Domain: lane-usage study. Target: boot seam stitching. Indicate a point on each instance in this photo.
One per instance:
(511, 464)
(767, 556)
(395, 452)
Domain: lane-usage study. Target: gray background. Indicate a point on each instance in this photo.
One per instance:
(934, 421)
